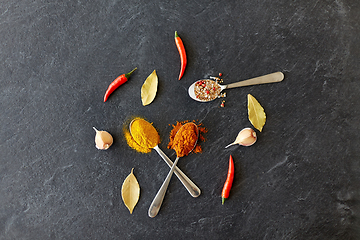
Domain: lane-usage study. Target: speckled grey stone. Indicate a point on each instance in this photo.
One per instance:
(299, 181)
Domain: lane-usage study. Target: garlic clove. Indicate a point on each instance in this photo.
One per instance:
(103, 139)
(246, 137)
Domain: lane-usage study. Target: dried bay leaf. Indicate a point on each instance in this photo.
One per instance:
(130, 191)
(256, 113)
(149, 89)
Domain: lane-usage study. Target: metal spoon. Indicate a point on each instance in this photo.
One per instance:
(270, 78)
(188, 184)
(156, 203)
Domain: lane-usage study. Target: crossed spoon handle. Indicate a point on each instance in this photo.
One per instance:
(156, 203)
(188, 184)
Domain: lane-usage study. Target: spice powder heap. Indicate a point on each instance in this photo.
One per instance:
(185, 139)
(176, 128)
(206, 90)
(143, 136)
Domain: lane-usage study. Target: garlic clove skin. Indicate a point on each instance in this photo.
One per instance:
(103, 139)
(246, 137)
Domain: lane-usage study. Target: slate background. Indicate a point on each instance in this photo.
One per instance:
(299, 181)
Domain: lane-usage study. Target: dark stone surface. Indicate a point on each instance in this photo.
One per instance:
(299, 181)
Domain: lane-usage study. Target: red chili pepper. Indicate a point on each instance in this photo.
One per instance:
(120, 80)
(229, 180)
(181, 49)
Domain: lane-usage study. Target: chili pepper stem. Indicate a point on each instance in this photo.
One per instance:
(222, 201)
(127, 75)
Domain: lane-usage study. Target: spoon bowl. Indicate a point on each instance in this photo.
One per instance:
(188, 184)
(206, 94)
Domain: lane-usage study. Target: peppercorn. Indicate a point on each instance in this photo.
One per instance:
(222, 104)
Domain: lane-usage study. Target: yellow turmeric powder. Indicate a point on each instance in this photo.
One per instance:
(133, 144)
(142, 136)
(185, 139)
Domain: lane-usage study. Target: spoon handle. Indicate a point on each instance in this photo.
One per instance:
(188, 184)
(156, 203)
(270, 78)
